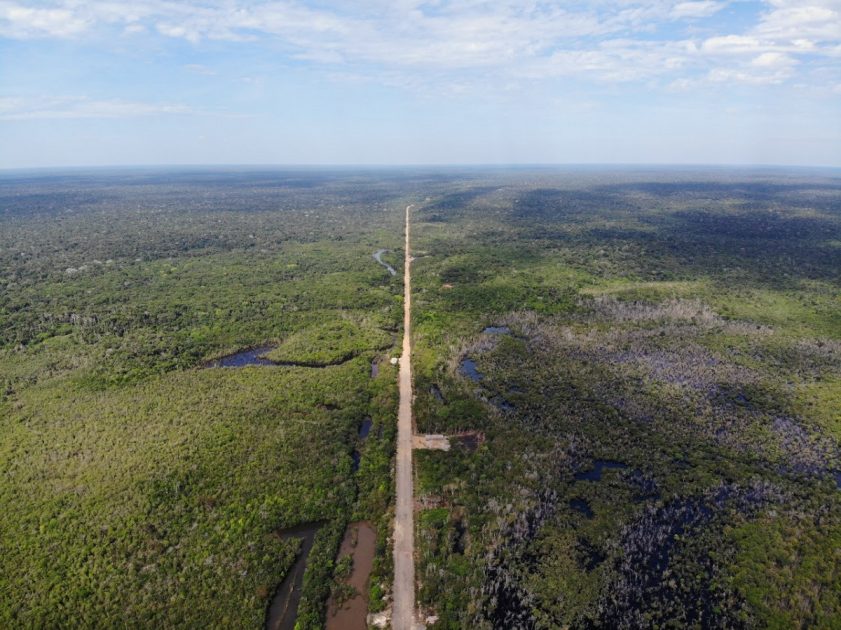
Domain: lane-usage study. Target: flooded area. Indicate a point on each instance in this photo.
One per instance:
(582, 507)
(243, 358)
(378, 256)
(497, 330)
(357, 458)
(283, 609)
(468, 440)
(595, 473)
(502, 404)
(436, 391)
(468, 368)
(256, 356)
(375, 369)
(365, 427)
(360, 544)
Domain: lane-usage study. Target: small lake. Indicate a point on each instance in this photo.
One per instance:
(283, 609)
(244, 358)
(599, 465)
(378, 256)
(468, 368)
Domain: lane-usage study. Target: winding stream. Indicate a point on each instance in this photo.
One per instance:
(378, 256)
(283, 610)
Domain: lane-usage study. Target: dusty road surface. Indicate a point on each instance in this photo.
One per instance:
(403, 614)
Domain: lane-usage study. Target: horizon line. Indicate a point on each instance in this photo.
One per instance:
(422, 165)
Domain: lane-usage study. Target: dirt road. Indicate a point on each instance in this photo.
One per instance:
(403, 614)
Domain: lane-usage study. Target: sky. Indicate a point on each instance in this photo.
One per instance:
(389, 82)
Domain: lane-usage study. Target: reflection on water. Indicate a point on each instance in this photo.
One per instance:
(468, 368)
(244, 358)
(283, 609)
(497, 330)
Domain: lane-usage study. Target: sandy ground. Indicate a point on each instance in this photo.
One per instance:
(431, 442)
(403, 616)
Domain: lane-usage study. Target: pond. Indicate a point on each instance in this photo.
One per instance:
(243, 358)
(468, 368)
(595, 473)
(497, 330)
(365, 427)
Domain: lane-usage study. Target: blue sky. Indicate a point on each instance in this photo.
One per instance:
(107, 82)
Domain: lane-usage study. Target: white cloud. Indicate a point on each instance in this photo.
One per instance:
(773, 60)
(748, 77)
(804, 19)
(197, 68)
(75, 107)
(603, 40)
(699, 9)
(732, 44)
(21, 22)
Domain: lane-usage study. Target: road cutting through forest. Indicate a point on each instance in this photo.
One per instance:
(403, 614)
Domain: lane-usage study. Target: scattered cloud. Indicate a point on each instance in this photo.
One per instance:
(197, 68)
(12, 108)
(605, 41)
(700, 9)
(773, 60)
(22, 22)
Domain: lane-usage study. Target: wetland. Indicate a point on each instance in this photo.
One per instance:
(639, 372)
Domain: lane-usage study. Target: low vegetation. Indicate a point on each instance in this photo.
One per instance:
(661, 440)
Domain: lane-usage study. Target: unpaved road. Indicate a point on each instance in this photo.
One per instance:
(403, 614)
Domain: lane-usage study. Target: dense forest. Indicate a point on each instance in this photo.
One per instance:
(639, 371)
(141, 486)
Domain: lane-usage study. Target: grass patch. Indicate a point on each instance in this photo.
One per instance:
(330, 343)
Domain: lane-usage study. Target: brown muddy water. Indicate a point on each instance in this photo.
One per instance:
(360, 543)
(283, 609)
